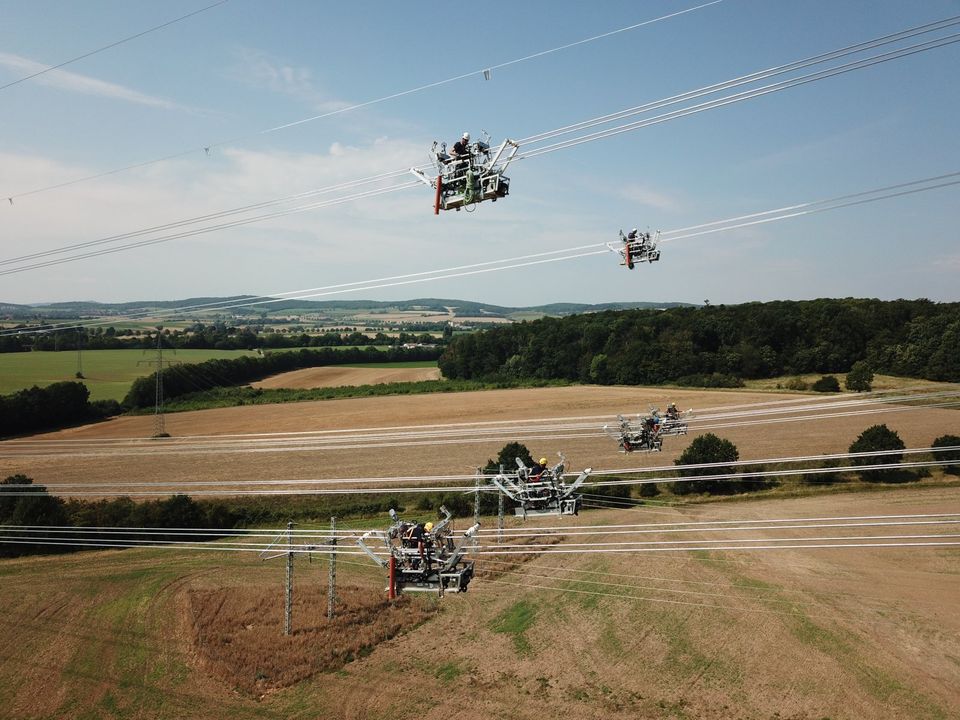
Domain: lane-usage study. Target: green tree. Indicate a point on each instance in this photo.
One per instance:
(8, 501)
(31, 506)
(880, 437)
(860, 377)
(707, 448)
(828, 383)
(507, 458)
(950, 455)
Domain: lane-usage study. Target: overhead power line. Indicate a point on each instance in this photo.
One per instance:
(609, 132)
(605, 119)
(571, 253)
(111, 45)
(325, 486)
(206, 148)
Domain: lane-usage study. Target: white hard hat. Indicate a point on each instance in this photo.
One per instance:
(634, 230)
(466, 136)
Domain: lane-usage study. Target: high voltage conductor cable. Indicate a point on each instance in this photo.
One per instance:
(349, 184)
(746, 95)
(823, 208)
(352, 443)
(378, 285)
(589, 138)
(801, 206)
(110, 46)
(762, 598)
(705, 525)
(433, 429)
(746, 79)
(646, 598)
(321, 439)
(211, 228)
(771, 407)
(822, 544)
(506, 549)
(234, 487)
(296, 294)
(206, 148)
(601, 120)
(612, 131)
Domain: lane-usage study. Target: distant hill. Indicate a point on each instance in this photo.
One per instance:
(82, 308)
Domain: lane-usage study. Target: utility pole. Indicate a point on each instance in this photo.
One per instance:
(476, 497)
(332, 578)
(288, 604)
(500, 512)
(499, 516)
(159, 426)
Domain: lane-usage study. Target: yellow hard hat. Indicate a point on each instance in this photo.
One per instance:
(543, 461)
(428, 527)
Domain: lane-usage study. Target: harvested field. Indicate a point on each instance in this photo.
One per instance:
(338, 376)
(237, 632)
(368, 458)
(794, 633)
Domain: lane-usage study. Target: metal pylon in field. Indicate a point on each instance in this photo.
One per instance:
(159, 426)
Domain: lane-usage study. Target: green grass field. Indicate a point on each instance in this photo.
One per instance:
(107, 373)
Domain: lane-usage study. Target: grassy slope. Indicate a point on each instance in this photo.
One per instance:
(107, 373)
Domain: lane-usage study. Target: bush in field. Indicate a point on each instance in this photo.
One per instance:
(828, 383)
(860, 377)
(712, 380)
(824, 478)
(507, 458)
(708, 448)
(796, 383)
(648, 490)
(953, 455)
(880, 437)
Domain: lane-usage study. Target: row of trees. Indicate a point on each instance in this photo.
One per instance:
(24, 503)
(710, 448)
(45, 408)
(68, 403)
(180, 380)
(719, 344)
(205, 337)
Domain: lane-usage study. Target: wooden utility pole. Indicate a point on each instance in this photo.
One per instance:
(332, 578)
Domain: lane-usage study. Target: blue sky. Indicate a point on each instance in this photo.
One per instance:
(248, 65)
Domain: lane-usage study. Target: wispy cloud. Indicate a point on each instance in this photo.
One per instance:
(644, 195)
(82, 84)
(262, 70)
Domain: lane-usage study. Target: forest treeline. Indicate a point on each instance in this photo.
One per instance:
(68, 403)
(45, 408)
(718, 344)
(180, 380)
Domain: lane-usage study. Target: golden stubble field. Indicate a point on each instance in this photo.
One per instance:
(794, 633)
(245, 465)
(336, 376)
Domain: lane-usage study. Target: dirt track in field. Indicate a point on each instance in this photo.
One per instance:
(917, 428)
(794, 633)
(342, 376)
